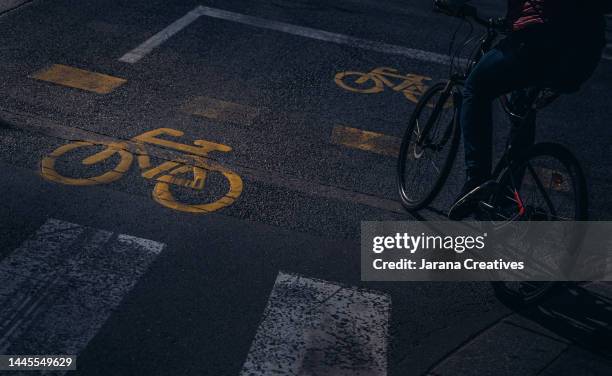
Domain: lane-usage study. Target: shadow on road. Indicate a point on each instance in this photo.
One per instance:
(579, 315)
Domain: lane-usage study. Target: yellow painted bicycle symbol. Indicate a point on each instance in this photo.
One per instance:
(411, 85)
(191, 171)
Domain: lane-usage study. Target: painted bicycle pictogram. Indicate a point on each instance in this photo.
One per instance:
(190, 171)
(411, 85)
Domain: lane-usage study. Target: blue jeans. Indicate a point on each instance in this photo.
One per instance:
(511, 65)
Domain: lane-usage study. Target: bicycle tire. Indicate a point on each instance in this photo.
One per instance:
(578, 185)
(414, 204)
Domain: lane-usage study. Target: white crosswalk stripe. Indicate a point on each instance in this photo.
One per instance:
(59, 287)
(312, 327)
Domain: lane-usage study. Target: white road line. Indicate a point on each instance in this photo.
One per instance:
(324, 35)
(59, 287)
(312, 327)
(145, 48)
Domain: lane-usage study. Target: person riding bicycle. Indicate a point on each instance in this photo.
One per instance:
(551, 43)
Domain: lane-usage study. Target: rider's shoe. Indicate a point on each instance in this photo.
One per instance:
(473, 191)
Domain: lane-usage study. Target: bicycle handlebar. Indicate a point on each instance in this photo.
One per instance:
(463, 11)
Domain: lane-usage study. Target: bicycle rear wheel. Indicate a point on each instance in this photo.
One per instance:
(546, 184)
(428, 148)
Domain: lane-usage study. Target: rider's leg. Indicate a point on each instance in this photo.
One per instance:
(524, 59)
(501, 70)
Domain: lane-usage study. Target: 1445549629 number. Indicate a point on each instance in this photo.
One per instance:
(37, 362)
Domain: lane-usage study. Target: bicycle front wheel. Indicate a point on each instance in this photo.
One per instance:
(428, 149)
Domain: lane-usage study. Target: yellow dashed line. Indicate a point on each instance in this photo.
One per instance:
(217, 109)
(80, 79)
(365, 140)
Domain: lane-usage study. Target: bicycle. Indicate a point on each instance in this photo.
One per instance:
(546, 170)
(168, 173)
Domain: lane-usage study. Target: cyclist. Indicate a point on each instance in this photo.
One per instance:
(551, 43)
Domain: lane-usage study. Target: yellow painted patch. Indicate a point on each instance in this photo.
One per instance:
(365, 140)
(217, 109)
(80, 79)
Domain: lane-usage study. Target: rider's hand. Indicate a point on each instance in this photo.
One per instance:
(452, 7)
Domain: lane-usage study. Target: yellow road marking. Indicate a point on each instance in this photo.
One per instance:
(80, 79)
(175, 173)
(413, 86)
(365, 140)
(217, 109)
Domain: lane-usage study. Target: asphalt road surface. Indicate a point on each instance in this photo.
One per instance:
(251, 264)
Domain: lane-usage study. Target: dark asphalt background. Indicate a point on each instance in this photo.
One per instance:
(197, 309)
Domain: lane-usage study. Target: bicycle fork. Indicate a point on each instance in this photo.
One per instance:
(446, 93)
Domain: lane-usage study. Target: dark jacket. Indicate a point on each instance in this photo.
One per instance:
(574, 30)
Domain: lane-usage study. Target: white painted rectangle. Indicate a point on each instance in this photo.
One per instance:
(313, 327)
(149, 45)
(59, 287)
